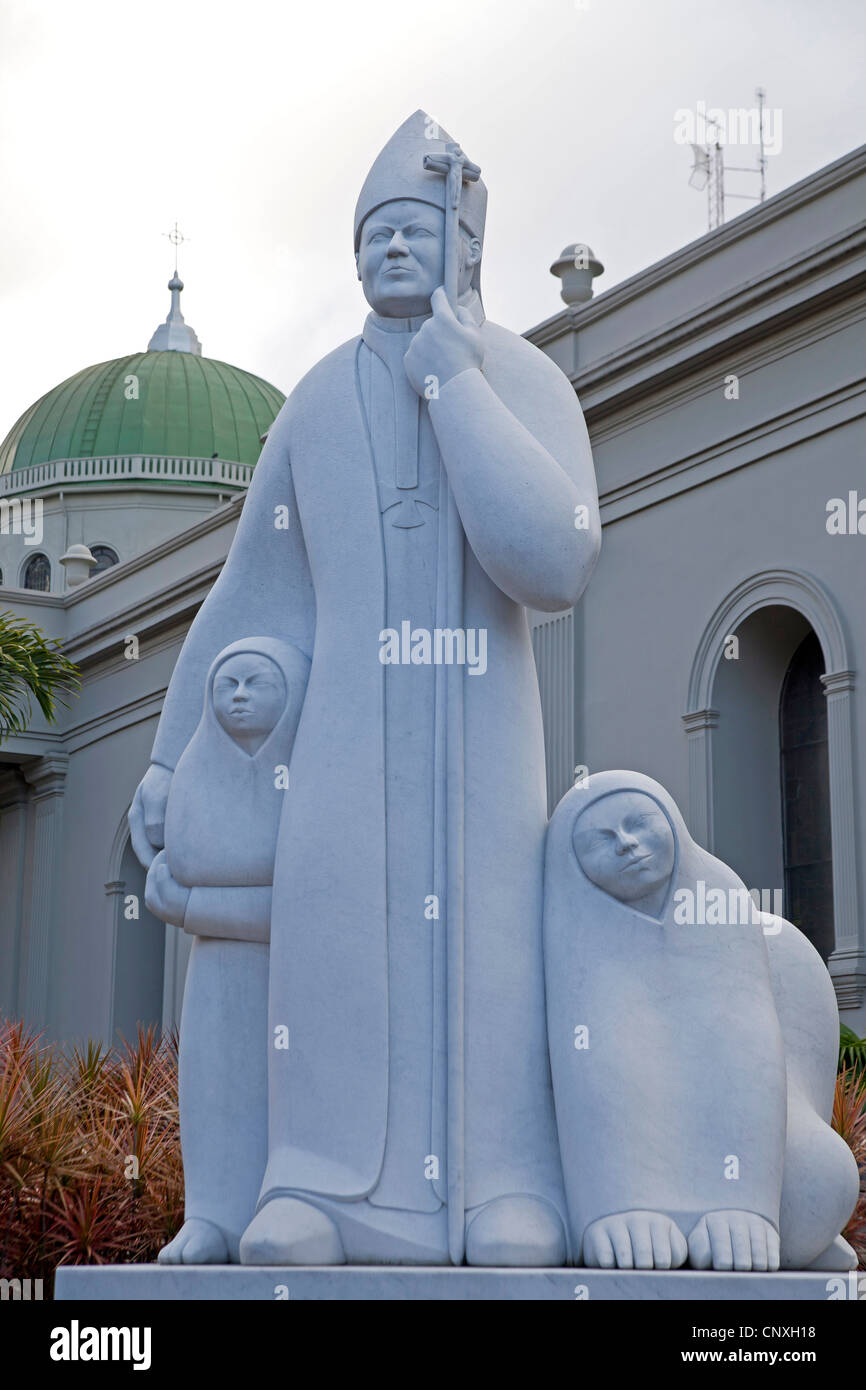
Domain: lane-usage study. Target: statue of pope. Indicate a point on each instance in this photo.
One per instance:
(410, 1109)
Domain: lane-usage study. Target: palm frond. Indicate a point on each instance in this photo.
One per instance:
(852, 1050)
(32, 668)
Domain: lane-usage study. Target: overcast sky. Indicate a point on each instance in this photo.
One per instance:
(254, 123)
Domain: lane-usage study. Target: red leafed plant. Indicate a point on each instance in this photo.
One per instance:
(90, 1166)
(849, 1118)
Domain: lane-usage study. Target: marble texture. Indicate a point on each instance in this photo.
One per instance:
(351, 1283)
(429, 472)
(214, 879)
(425, 484)
(693, 1049)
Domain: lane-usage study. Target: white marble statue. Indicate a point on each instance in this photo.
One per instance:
(693, 1044)
(422, 486)
(214, 879)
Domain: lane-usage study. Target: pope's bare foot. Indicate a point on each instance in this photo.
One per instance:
(634, 1240)
(287, 1231)
(197, 1242)
(520, 1232)
(734, 1240)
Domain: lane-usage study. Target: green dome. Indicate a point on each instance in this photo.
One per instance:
(187, 406)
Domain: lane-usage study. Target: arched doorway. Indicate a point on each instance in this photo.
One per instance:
(731, 723)
(748, 811)
(771, 776)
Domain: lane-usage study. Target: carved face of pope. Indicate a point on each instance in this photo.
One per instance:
(625, 845)
(401, 256)
(249, 695)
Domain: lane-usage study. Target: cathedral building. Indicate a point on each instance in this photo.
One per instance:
(719, 647)
(721, 642)
(119, 493)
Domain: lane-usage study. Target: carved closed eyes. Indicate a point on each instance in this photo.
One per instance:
(249, 695)
(625, 845)
(230, 683)
(634, 823)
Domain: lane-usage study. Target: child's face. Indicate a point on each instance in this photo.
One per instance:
(625, 845)
(249, 695)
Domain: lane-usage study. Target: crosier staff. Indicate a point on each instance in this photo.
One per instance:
(449, 745)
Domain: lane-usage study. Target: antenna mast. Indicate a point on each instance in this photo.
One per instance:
(709, 168)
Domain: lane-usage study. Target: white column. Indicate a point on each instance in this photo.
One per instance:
(847, 963)
(13, 843)
(553, 645)
(178, 944)
(699, 725)
(114, 891)
(47, 779)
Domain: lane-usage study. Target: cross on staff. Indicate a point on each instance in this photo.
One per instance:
(457, 170)
(177, 238)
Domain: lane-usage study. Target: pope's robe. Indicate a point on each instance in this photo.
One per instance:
(512, 440)
(408, 467)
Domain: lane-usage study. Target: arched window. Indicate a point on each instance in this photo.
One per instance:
(37, 574)
(1, 576)
(104, 556)
(805, 770)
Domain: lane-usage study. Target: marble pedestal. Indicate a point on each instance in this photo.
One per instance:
(394, 1283)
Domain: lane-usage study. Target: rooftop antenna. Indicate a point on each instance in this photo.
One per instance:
(762, 157)
(177, 238)
(708, 171)
(709, 168)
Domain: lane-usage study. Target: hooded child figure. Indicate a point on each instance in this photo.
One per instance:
(214, 880)
(693, 1061)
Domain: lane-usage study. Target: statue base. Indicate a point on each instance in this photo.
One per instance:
(386, 1283)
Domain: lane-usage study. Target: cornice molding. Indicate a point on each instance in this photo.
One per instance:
(47, 776)
(699, 719)
(763, 440)
(726, 325)
(838, 682)
(779, 342)
(226, 515)
(146, 617)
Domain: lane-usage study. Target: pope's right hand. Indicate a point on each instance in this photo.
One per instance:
(147, 813)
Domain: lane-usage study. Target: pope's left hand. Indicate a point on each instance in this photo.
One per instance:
(444, 346)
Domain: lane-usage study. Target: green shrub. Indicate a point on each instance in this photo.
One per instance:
(90, 1165)
(852, 1050)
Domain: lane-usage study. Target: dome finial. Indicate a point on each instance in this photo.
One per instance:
(177, 238)
(175, 335)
